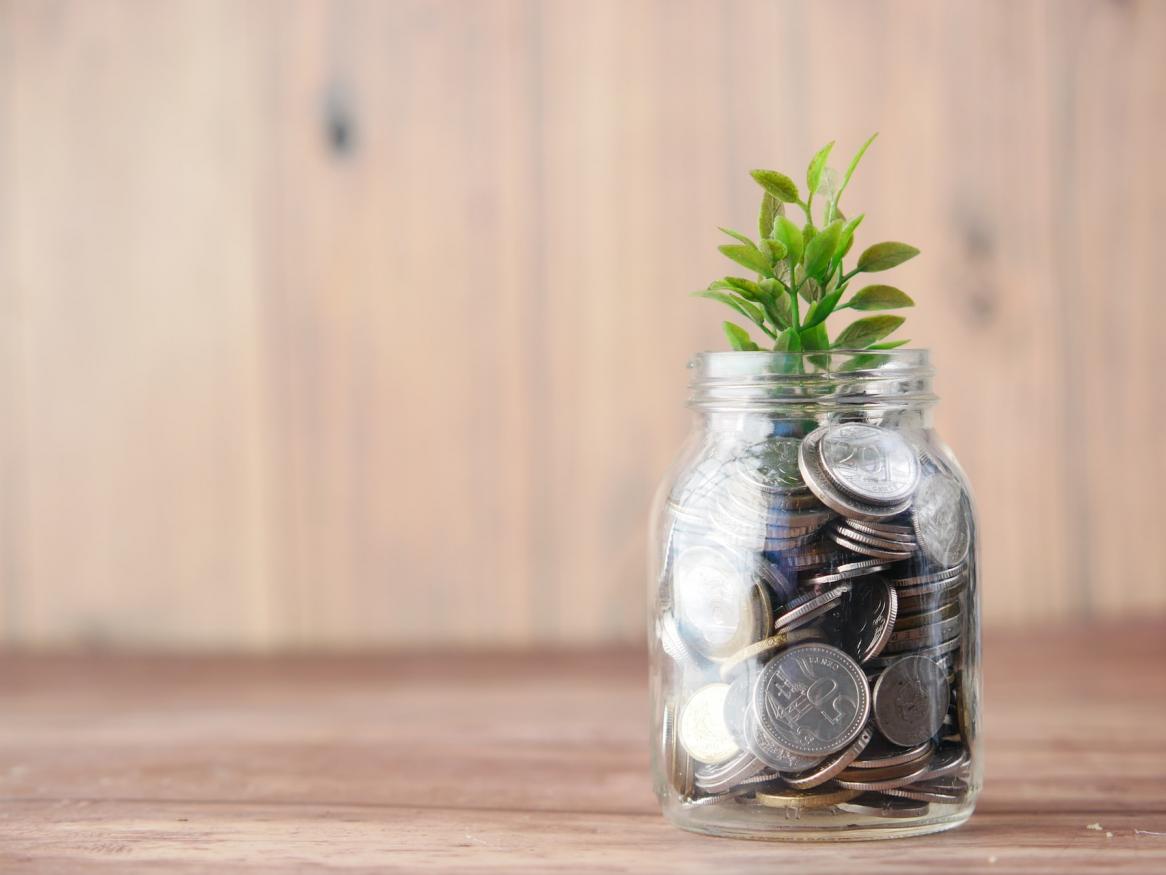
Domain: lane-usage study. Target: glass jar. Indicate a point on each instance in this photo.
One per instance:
(814, 622)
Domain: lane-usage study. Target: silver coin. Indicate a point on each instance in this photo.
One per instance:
(935, 653)
(867, 550)
(950, 586)
(849, 571)
(812, 699)
(718, 779)
(802, 606)
(671, 642)
(850, 532)
(879, 805)
(773, 464)
(819, 555)
(869, 463)
(831, 766)
(934, 577)
(713, 600)
(881, 784)
(877, 756)
(767, 749)
(927, 793)
(873, 608)
(893, 531)
(940, 516)
(949, 760)
(913, 621)
(910, 700)
(737, 705)
(928, 635)
(834, 498)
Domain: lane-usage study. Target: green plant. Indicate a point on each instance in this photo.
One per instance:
(796, 266)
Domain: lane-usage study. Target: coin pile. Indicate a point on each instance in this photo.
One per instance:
(813, 603)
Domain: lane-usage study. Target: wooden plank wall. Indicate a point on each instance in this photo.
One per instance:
(337, 324)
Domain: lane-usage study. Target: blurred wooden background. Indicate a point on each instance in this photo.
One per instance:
(336, 324)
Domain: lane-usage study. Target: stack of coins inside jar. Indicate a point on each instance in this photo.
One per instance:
(813, 607)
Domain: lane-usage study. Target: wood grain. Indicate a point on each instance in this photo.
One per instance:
(446, 762)
(338, 324)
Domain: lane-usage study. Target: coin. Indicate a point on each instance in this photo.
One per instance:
(880, 805)
(940, 515)
(877, 756)
(940, 586)
(804, 799)
(677, 763)
(912, 621)
(701, 727)
(718, 779)
(872, 609)
(767, 749)
(812, 699)
(887, 531)
(801, 606)
(866, 550)
(923, 636)
(850, 570)
(831, 766)
(825, 488)
(869, 463)
(816, 556)
(737, 705)
(945, 574)
(867, 782)
(910, 700)
(950, 759)
(773, 464)
(670, 640)
(852, 534)
(784, 638)
(713, 601)
(927, 793)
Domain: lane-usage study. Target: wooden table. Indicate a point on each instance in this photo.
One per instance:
(522, 763)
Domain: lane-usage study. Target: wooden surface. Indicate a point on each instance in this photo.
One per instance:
(451, 763)
(365, 322)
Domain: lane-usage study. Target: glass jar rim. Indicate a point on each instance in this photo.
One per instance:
(763, 378)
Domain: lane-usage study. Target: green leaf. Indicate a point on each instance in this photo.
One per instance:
(854, 164)
(814, 337)
(778, 309)
(776, 249)
(737, 235)
(814, 173)
(788, 341)
(747, 256)
(743, 287)
(770, 209)
(846, 238)
(879, 298)
(890, 344)
(864, 361)
(790, 235)
(821, 308)
(810, 289)
(884, 256)
(864, 332)
(750, 311)
(820, 250)
(738, 337)
(777, 184)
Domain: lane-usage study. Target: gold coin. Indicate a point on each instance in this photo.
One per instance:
(702, 729)
(773, 642)
(805, 799)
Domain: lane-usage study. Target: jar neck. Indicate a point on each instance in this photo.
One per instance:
(836, 385)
